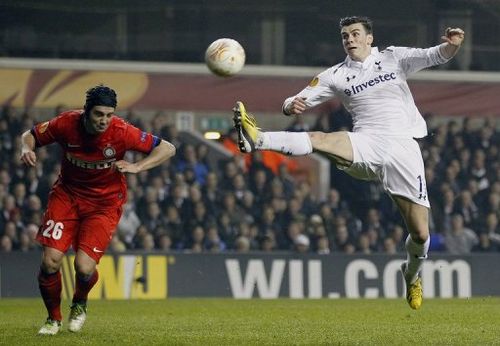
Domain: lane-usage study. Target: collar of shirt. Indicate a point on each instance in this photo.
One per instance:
(365, 64)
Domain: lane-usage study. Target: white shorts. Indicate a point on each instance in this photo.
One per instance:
(394, 161)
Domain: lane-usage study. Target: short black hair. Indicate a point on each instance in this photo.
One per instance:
(100, 95)
(365, 21)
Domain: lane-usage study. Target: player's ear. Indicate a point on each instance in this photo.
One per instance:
(369, 39)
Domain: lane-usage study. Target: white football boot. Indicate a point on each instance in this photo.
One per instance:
(77, 316)
(50, 327)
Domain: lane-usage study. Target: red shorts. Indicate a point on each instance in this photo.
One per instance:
(70, 220)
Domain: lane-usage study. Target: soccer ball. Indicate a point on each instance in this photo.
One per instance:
(225, 57)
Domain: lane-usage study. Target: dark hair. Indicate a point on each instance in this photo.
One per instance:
(367, 22)
(99, 95)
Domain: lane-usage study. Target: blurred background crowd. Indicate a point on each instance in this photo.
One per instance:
(251, 202)
(255, 203)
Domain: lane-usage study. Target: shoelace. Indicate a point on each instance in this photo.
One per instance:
(251, 120)
(76, 310)
(49, 322)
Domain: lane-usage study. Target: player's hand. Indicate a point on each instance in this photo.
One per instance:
(123, 166)
(297, 106)
(28, 157)
(453, 36)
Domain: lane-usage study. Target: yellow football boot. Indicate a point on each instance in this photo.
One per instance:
(414, 294)
(246, 126)
(414, 291)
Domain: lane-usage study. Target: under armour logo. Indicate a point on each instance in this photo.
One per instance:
(349, 78)
(422, 189)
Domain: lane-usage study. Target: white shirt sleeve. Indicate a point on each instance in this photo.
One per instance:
(319, 90)
(412, 60)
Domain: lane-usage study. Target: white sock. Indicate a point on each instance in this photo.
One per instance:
(416, 254)
(288, 143)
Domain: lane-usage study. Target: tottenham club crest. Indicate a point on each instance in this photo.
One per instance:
(109, 152)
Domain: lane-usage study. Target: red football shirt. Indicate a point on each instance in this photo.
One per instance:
(87, 160)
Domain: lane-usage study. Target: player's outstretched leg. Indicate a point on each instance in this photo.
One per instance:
(251, 138)
(50, 327)
(246, 127)
(414, 294)
(77, 316)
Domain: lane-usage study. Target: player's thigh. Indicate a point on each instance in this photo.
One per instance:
(59, 222)
(403, 172)
(368, 155)
(336, 145)
(96, 230)
(416, 217)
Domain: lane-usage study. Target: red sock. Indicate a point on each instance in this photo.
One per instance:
(83, 286)
(50, 288)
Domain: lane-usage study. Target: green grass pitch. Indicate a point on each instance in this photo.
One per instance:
(262, 322)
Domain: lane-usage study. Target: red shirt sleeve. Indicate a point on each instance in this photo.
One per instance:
(139, 140)
(46, 132)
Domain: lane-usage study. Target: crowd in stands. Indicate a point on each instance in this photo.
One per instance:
(254, 203)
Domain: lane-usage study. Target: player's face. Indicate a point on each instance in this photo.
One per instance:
(100, 118)
(357, 43)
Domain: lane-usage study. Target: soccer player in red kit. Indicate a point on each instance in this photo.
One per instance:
(85, 203)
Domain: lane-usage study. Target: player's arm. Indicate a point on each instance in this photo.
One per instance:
(453, 38)
(161, 153)
(297, 105)
(412, 60)
(28, 155)
(318, 91)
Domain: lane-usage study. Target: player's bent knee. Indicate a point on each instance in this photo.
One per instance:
(323, 139)
(334, 144)
(84, 270)
(419, 230)
(84, 267)
(51, 260)
(420, 235)
(51, 264)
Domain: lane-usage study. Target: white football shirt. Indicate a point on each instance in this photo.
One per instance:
(375, 91)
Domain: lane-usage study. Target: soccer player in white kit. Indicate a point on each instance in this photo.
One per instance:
(372, 86)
